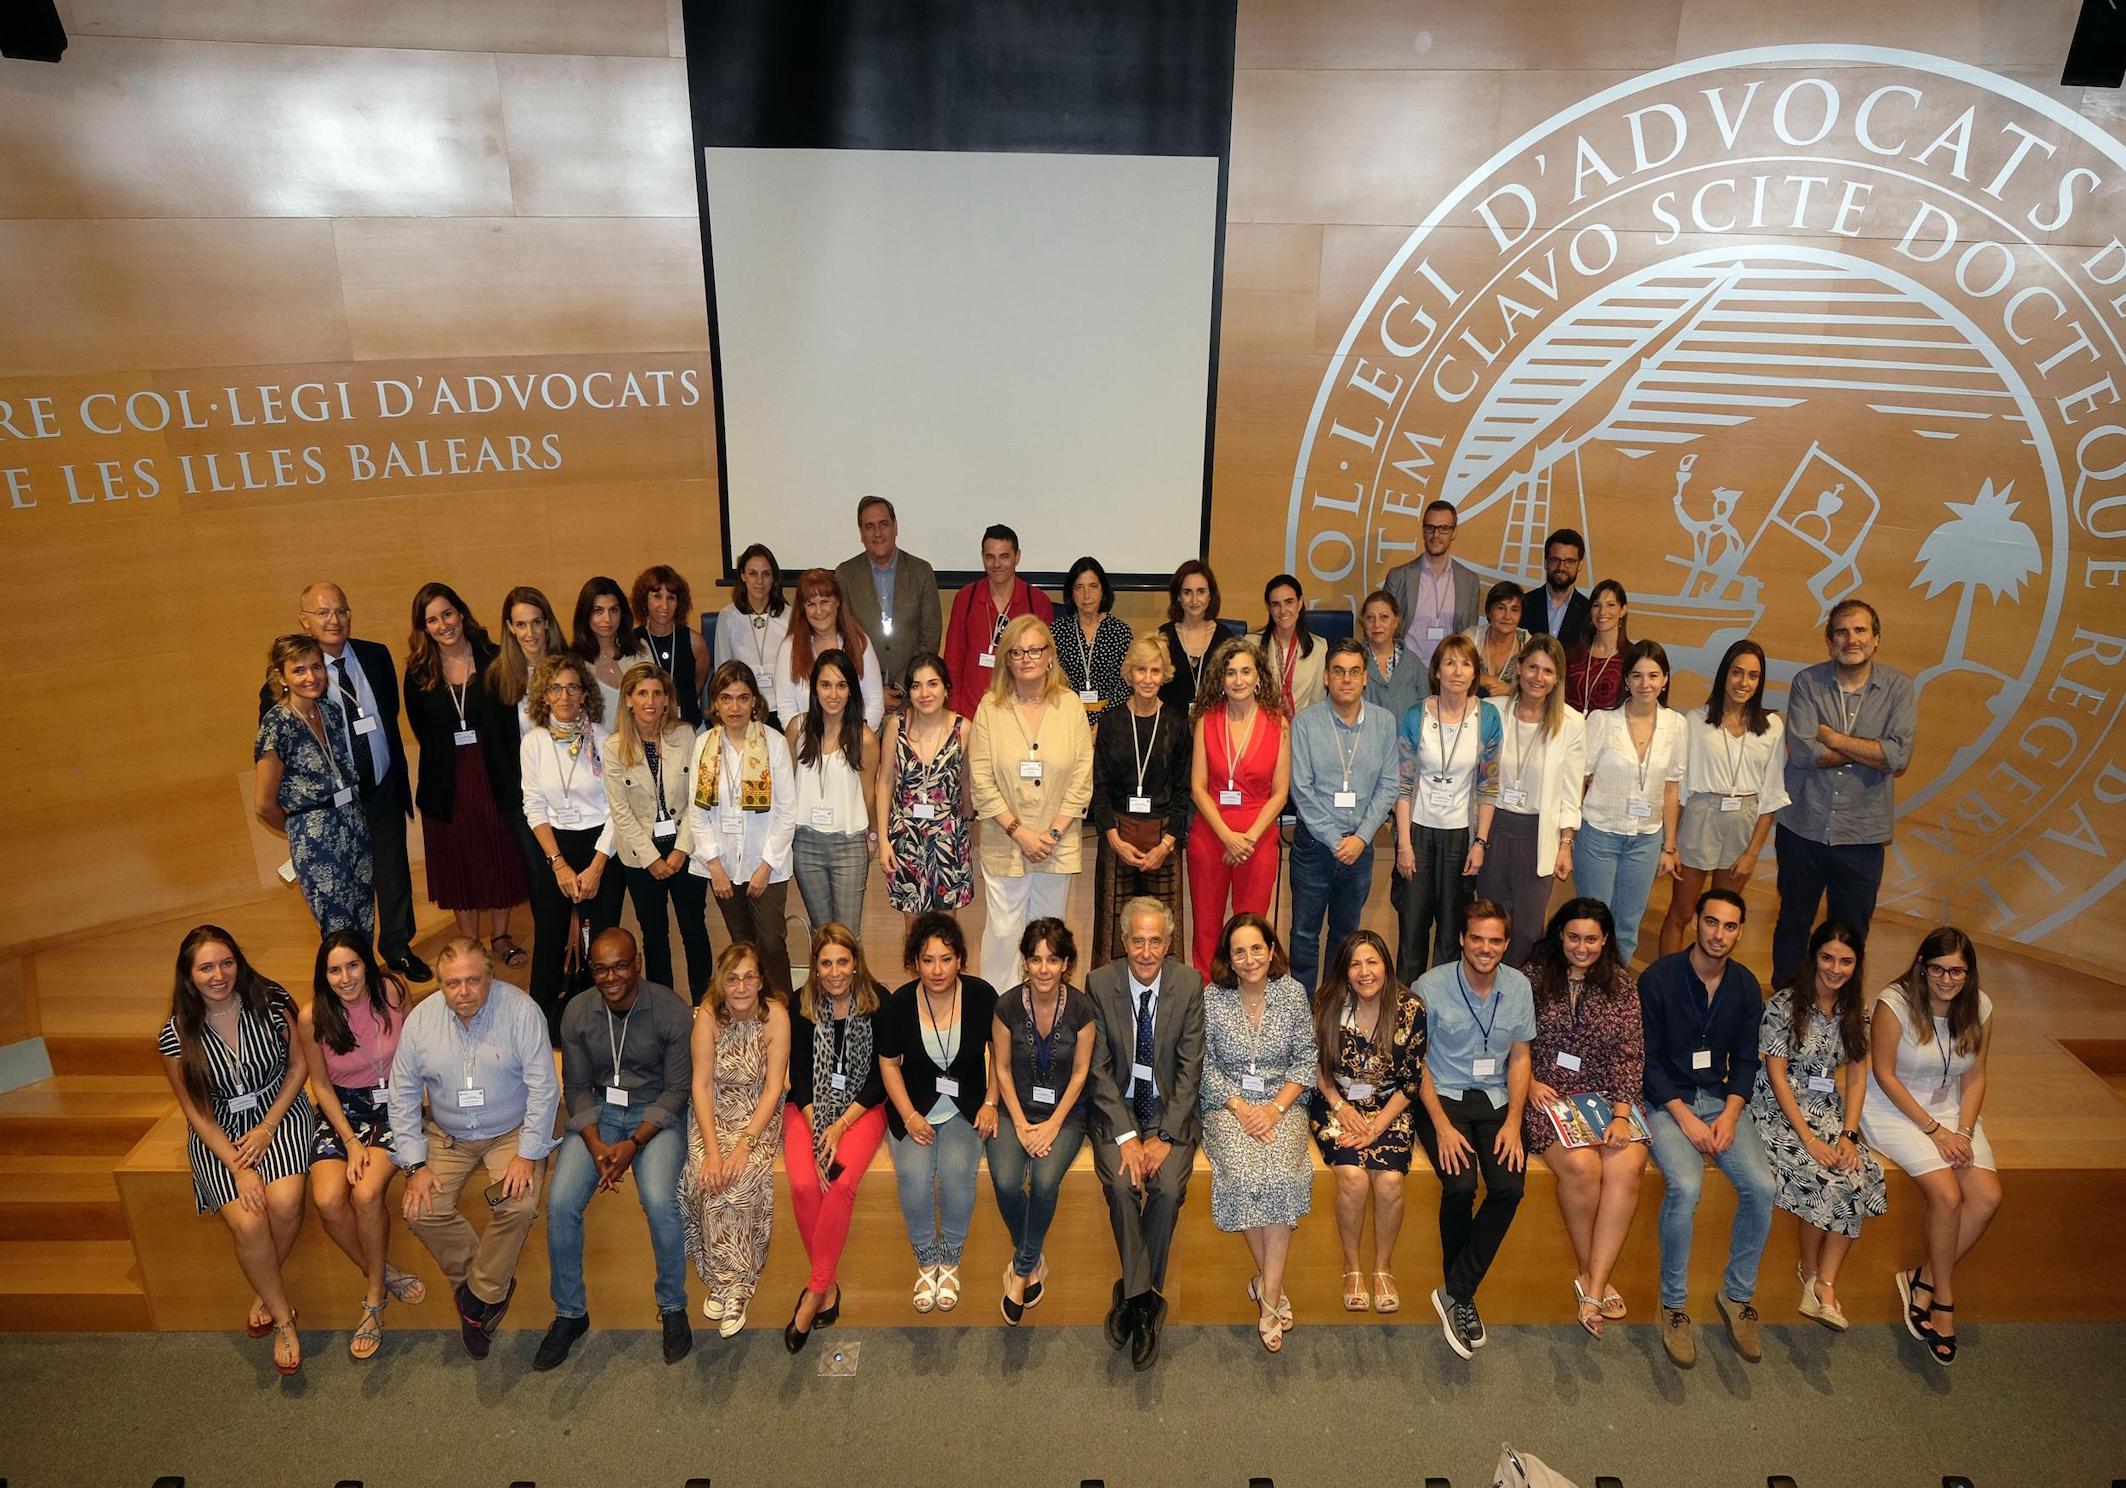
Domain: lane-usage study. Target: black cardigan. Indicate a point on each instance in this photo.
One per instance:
(1166, 774)
(870, 1089)
(433, 717)
(902, 1033)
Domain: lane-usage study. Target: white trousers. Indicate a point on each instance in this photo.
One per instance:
(1012, 905)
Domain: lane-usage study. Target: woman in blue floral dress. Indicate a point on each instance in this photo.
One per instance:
(927, 854)
(307, 788)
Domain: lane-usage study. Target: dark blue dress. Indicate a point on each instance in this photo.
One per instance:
(328, 844)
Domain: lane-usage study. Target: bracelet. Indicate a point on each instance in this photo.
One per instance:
(1968, 1131)
(553, 860)
(1930, 1131)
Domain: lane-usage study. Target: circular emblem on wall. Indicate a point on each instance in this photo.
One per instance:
(1772, 329)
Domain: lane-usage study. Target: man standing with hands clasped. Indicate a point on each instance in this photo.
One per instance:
(1344, 780)
(1701, 1010)
(892, 595)
(627, 1069)
(1479, 1023)
(478, 1053)
(1146, 1073)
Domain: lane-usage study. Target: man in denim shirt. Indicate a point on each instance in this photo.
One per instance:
(1344, 779)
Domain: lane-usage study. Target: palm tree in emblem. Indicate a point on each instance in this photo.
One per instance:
(1984, 546)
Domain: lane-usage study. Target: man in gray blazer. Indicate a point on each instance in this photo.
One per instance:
(1422, 587)
(1147, 1067)
(893, 595)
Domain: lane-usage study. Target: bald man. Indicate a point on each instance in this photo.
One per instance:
(627, 1072)
(364, 685)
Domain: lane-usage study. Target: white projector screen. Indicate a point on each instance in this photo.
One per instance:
(1018, 338)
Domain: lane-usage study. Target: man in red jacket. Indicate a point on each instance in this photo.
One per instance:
(980, 612)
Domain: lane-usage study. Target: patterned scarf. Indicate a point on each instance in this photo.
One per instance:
(572, 735)
(756, 791)
(827, 1102)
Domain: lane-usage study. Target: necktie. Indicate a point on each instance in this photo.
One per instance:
(364, 757)
(1144, 1099)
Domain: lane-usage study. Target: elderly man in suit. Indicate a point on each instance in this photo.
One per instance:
(1439, 596)
(893, 595)
(364, 685)
(1147, 1066)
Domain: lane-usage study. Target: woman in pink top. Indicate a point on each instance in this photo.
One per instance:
(350, 1032)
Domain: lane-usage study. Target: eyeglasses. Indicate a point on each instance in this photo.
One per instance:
(1948, 973)
(1027, 653)
(604, 969)
(1432, 527)
(565, 689)
(747, 978)
(341, 613)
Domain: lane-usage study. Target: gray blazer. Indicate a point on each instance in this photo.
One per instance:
(1468, 593)
(918, 622)
(1177, 1050)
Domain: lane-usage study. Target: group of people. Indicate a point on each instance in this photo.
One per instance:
(1508, 750)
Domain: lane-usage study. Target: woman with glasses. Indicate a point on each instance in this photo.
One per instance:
(1031, 764)
(563, 770)
(1930, 1034)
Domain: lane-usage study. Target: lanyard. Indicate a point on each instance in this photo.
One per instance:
(1291, 659)
(930, 1025)
(841, 1040)
(381, 1070)
(1234, 756)
(664, 660)
(1646, 758)
(1084, 648)
(653, 757)
(1941, 1038)
(471, 1045)
(1144, 755)
(1731, 750)
(567, 766)
(322, 732)
(1195, 663)
(617, 1044)
(1044, 1048)
(1481, 1026)
(1517, 774)
(1254, 1029)
(1849, 716)
(996, 634)
(1448, 748)
(343, 687)
(1575, 994)
(1712, 1007)
(457, 698)
(761, 667)
(727, 767)
(1336, 731)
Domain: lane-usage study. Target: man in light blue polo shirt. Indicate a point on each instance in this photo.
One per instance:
(1343, 787)
(1479, 1022)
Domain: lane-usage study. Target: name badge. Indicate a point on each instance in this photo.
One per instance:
(1568, 1061)
(364, 725)
(1345, 800)
(616, 1096)
(1638, 808)
(1229, 798)
(471, 1098)
(1140, 805)
(1435, 632)
(924, 811)
(465, 736)
(1701, 1059)
(987, 658)
(1823, 1084)
(1484, 1068)
(1088, 694)
(1514, 800)
(948, 1088)
(380, 1093)
(565, 814)
(1141, 1072)
(1254, 1084)
(1358, 1090)
(1030, 770)
(839, 1080)
(1731, 803)
(343, 795)
(1043, 1096)
(246, 1102)
(822, 818)
(1440, 797)
(731, 820)
(665, 831)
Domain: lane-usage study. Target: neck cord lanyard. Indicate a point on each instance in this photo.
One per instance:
(1481, 1026)
(617, 1044)
(1518, 767)
(1043, 1048)
(1336, 731)
(1143, 755)
(1448, 748)
(653, 757)
(931, 1025)
(1234, 756)
(458, 693)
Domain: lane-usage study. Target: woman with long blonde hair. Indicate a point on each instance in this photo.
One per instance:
(1536, 792)
(649, 778)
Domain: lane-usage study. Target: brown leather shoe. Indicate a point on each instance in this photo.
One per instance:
(1677, 1338)
(1741, 1320)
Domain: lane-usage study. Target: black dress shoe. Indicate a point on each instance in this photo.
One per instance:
(678, 1335)
(1121, 1319)
(495, 1310)
(832, 1313)
(411, 967)
(795, 1338)
(559, 1339)
(1144, 1342)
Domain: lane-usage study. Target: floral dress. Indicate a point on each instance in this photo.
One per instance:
(933, 857)
(1811, 1192)
(1368, 1073)
(1607, 1036)
(328, 844)
(1256, 1183)
(727, 1232)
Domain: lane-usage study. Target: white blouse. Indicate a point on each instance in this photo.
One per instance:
(743, 840)
(830, 797)
(1624, 792)
(754, 640)
(567, 794)
(1542, 776)
(1722, 765)
(1446, 768)
(793, 696)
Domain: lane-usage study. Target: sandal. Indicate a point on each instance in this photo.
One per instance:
(404, 1286)
(1284, 1303)
(254, 1324)
(1386, 1298)
(514, 956)
(926, 1289)
(369, 1335)
(1908, 1283)
(287, 1329)
(1354, 1291)
(1590, 1310)
(948, 1287)
(1613, 1308)
(1269, 1327)
(1941, 1346)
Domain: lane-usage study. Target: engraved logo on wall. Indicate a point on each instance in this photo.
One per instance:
(1771, 329)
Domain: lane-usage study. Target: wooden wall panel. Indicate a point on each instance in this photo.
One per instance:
(1502, 35)
(598, 136)
(580, 27)
(1948, 28)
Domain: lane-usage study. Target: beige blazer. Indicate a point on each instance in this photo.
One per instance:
(630, 792)
(1065, 788)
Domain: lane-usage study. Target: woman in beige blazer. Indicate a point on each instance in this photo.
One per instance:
(1031, 762)
(649, 779)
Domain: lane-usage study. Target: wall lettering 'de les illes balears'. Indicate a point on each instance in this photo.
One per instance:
(1774, 328)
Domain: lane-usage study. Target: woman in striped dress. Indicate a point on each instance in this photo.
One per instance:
(230, 1054)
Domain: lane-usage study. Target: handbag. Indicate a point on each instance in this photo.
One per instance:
(1141, 832)
(1519, 1470)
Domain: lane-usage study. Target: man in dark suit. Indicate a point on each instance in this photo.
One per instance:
(1147, 1065)
(915, 623)
(1555, 607)
(367, 694)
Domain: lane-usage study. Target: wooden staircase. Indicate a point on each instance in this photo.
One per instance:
(66, 1254)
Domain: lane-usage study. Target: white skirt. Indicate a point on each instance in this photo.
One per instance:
(1892, 1135)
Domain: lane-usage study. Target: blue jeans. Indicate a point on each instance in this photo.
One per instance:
(575, 1181)
(1683, 1175)
(1027, 1208)
(1321, 885)
(937, 1189)
(1619, 871)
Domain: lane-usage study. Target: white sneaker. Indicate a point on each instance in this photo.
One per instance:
(733, 1321)
(712, 1309)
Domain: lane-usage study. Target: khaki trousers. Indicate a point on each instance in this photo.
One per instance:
(483, 1262)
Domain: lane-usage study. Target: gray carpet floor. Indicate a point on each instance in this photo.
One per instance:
(2024, 1407)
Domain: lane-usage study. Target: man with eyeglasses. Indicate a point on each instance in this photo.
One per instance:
(1554, 607)
(364, 685)
(892, 595)
(1439, 596)
(626, 1075)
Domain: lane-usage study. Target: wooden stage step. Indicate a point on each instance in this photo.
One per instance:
(78, 1286)
(77, 1115)
(58, 1198)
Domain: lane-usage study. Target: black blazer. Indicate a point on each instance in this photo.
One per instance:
(1535, 618)
(870, 1090)
(903, 1034)
(374, 658)
(433, 717)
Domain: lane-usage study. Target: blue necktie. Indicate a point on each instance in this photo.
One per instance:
(1145, 1100)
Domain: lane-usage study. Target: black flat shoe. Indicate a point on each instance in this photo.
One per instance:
(1144, 1343)
(412, 967)
(795, 1338)
(1119, 1320)
(1943, 1348)
(559, 1339)
(678, 1335)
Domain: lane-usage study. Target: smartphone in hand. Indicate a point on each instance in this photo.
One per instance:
(496, 1193)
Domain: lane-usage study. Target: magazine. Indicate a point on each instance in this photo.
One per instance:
(1580, 1120)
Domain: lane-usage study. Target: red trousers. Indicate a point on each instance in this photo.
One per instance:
(823, 1212)
(1250, 885)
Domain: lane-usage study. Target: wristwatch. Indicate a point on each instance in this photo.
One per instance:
(1162, 1136)
(1851, 1136)
(413, 1168)
(1480, 842)
(1055, 834)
